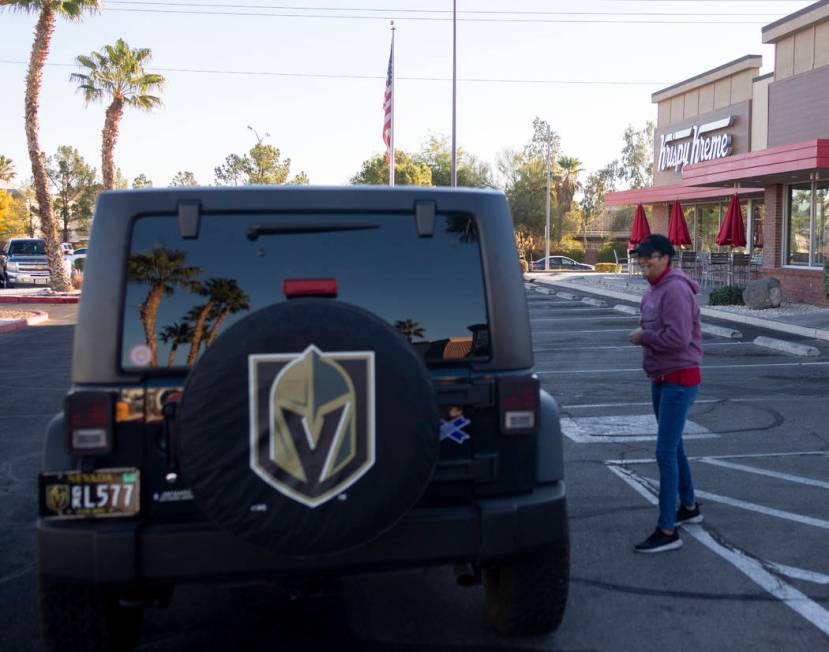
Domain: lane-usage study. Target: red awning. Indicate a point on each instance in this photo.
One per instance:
(732, 232)
(678, 227)
(668, 194)
(641, 229)
(774, 164)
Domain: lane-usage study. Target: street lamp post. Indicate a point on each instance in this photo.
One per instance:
(454, 181)
(547, 203)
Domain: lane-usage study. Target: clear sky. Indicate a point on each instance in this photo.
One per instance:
(328, 126)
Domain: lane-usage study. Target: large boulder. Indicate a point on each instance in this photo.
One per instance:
(763, 293)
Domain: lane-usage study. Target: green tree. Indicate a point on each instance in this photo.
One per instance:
(410, 329)
(116, 74)
(176, 334)
(7, 172)
(163, 270)
(261, 165)
(543, 135)
(636, 162)
(73, 182)
(12, 215)
(141, 181)
(184, 178)
(436, 153)
(526, 190)
(48, 11)
(28, 206)
(407, 171)
(592, 204)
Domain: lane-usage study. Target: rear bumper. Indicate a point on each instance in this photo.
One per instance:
(108, 552)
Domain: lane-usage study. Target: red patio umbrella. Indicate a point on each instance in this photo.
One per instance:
(733, 231)
(678, 227)
(641, 229)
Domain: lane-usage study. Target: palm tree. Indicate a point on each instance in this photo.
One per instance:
(177, 333)
(567, 184)
(7, 172)
(409, 328)
(117, 73)
(48, 11)
(233, 300)
(217, 291)
(163, 270)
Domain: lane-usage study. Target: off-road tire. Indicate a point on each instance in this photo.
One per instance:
(77, 616)
(526, 595)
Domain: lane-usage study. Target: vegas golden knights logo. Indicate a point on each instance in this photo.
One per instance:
(311, 421)
(57, 497)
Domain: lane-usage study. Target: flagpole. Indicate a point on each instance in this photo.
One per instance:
(391, 134)
(454, 180)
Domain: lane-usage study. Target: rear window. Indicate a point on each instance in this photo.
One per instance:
(27, 248)
(183, 291)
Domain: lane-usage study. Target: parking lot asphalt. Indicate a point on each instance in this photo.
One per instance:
(753, 575)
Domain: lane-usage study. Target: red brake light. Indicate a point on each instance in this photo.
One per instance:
(518, 405)
(89, 418)
(309, 287)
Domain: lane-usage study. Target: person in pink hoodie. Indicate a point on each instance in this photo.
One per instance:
(671, 341)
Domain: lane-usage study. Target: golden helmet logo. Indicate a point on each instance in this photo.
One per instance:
(311, 421)
(57, 497)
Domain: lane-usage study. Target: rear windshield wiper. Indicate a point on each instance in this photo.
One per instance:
(255, 230)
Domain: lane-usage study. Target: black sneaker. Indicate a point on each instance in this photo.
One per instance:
(685, 515)
(660, 542)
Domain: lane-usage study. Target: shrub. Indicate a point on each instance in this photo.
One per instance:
(78, 265)
(726, 296)
(524, 266)
(570, 248)
(77, 279)
(605, 253)
(608, 268)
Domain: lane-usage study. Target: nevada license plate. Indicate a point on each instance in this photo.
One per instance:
(41, 281)
(103, 493)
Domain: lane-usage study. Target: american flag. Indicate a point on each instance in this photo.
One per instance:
(388, 99)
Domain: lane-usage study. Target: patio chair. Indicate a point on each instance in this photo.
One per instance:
(690, 263)
(740, 269)
(716, 269)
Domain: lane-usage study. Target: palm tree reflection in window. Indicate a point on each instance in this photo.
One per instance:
(409, 329)
(178, 334)
(464, 227)
(163, 270)
(224, 297)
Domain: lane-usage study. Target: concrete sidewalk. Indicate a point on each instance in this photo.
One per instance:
(793, 318)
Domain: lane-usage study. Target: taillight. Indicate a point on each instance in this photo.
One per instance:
(518, 405)
(89, 418)
(309, 287)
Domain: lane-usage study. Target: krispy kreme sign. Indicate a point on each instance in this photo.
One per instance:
(695, 144)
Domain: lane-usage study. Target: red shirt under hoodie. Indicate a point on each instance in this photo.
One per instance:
(671, 338)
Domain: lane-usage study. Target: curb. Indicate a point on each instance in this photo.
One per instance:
(721, 331)
(566, 295)
(621, 307)
(781, 327)
(590, 301)
(786, 347)
(9, 326)
(17, 298)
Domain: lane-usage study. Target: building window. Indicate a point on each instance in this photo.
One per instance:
(758, 219)
(709, 226)
(807, 229)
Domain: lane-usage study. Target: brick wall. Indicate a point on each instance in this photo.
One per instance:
(773, 228)
(800, 285)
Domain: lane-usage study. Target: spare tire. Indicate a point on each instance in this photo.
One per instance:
(309, 427)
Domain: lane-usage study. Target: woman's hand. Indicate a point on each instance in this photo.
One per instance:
(636, 337)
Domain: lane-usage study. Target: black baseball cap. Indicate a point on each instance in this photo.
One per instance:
(655, 243)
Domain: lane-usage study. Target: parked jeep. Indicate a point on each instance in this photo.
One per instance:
(244, 409)
(23, 262)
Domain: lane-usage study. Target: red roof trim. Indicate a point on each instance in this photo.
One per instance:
(667, 194)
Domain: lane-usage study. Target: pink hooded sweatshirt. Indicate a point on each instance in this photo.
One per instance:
(672, 339)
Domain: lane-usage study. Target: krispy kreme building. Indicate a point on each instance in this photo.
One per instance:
(765, 137)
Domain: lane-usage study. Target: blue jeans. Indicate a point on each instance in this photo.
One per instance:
(671, 404)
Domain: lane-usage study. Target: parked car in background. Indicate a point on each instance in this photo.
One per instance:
(67, 249)
(562, 263)
(23, 262)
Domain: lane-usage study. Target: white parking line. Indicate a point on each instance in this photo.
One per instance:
(754, 569)
(759, 399)
(736, 456)
(622, 428)
(534, 319)
(713, 367)
(771, 474)
(798, 573)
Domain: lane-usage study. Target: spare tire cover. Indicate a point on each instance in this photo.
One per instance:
(309, 427)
